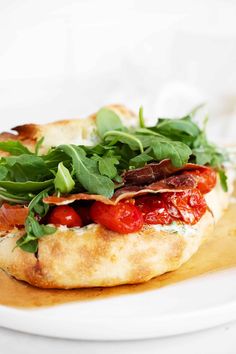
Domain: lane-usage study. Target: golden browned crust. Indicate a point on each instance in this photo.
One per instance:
(94, 256)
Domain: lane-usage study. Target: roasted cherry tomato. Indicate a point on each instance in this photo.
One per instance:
(206, 179)
(64, 215)
(154, 210)
(123, 217)
(188, 206)
(164, 208)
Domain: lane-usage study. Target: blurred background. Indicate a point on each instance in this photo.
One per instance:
(66, 58)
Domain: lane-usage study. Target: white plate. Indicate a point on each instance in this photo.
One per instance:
(196, 304)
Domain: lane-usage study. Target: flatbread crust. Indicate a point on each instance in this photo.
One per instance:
(94, 256)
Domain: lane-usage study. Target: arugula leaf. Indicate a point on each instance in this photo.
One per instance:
(98, 149)
(141, 118)
(106, 166)
(223, 180)
(28, 243)
(34, 230)
(63, 180)
(184, 129)
(3, 173)
(24, 187)
(38, 145)
(107, 120)
(164, 148)
(14, 147)
(87, 173)
(176, 151)
(54, 157)
(203, 156)
(125, 138)
(140, 160)
(148, 131)
(26, 167)
(37, 205)
(14, 198)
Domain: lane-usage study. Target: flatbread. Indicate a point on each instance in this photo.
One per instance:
(94, 256)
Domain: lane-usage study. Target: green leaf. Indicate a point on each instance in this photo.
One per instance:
(34, 227)
(14, 198)
(38, 145)
(48, 230)
(14, 147)
(223, 180)
(107, 120)
(106, 166)
(148, 131)
(26, 167)
(140, 160)
(183, 129)
(165, 148)
(125, 138)
(177, 152)
(37, 205)
(54, 157)
(141, 118)
(34, 231)
(202, 156)
(23, 187)
(28, 243)
(86, 171)
(3, 172)
(63, 180)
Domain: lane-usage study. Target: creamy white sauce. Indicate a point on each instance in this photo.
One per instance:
(77, 229)
(182, 229)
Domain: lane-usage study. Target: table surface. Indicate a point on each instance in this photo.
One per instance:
(220, 340)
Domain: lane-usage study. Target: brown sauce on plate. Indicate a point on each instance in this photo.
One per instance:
(217, 253)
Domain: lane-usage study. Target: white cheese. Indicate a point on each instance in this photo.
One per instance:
(174, 227)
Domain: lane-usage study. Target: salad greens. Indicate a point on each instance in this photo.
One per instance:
(63, 181)
(27, 177)
(34, 230)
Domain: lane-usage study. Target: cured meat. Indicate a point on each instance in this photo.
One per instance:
(177, 183)
(12, 215)
(155, 172)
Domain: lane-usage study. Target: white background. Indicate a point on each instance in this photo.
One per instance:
(63, 59)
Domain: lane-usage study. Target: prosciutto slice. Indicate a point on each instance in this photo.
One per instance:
(177, 183)
(12, 215)
(155, 172)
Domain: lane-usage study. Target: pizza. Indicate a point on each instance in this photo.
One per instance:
(107, 200)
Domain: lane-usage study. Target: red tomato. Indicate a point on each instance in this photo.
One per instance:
(154, 210)
(206, 179)
(64, 215)
(164, 208)
(188, 206)
(123, 217)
